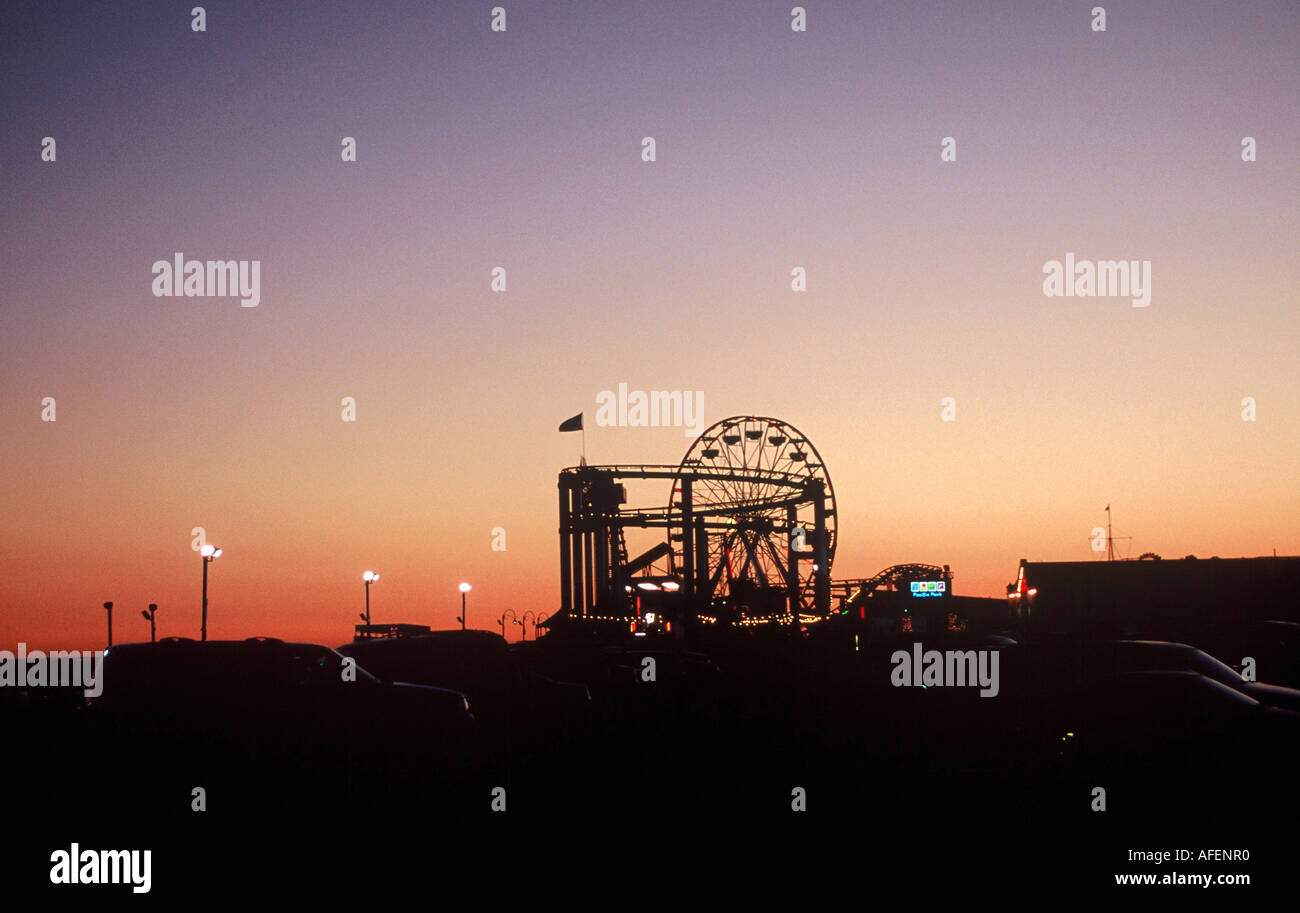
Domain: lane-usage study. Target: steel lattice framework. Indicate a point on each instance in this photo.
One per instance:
(750, 524)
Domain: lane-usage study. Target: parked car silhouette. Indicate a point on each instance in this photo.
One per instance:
(259, 679)
(532, 725)
(1178, 743)
(478, 664)
(1158, 655)
(1274, 645)
(268, 721)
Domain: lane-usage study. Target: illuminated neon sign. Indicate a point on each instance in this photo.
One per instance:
(924, 588)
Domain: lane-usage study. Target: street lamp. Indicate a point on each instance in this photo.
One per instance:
(369, 577)
(464, 588)
(109, 607)
(209, 553)
(511, 613)
(523, 622)
(153, 610)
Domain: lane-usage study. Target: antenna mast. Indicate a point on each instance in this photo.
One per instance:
(1110, 540)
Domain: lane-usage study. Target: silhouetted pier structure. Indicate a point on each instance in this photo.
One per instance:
(749, 541)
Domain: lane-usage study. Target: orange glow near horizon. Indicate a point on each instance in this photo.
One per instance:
(288, 570)
(523, 150)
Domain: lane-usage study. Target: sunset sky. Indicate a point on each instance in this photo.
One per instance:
(522, 149)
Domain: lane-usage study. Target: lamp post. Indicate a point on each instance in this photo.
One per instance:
(109, 607)
(523, 622)
(502, 619)
(153, 610)
(209, 553)
(464, 588)
(369, 577)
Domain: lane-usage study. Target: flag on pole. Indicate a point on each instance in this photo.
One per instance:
(573, 424)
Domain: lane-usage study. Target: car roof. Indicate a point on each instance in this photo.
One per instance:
(185, 643)
(451, 645)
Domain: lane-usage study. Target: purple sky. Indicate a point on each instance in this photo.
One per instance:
(521, 149)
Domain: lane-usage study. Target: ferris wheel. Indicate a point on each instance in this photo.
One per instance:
(742, 471)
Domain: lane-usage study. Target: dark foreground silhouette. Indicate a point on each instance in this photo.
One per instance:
(450, 725)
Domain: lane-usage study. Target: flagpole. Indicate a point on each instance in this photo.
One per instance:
(1110, 543)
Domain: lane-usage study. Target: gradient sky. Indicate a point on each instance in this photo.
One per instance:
(775, 149)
